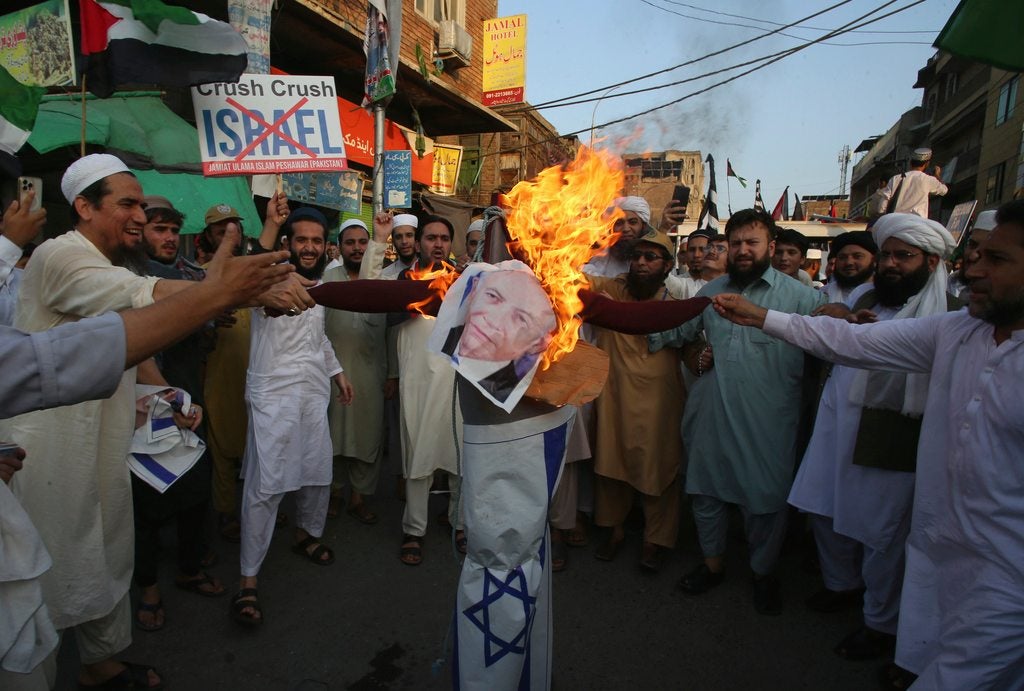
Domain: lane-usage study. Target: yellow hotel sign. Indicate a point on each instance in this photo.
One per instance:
(504, 60)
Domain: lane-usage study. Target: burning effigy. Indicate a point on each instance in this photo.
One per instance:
(511, 332)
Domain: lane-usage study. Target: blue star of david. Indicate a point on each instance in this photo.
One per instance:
(494, 590)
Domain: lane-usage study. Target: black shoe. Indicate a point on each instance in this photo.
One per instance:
(828, 601)
(866, 644)
(700, 580)
(892, 677)
(767, 595)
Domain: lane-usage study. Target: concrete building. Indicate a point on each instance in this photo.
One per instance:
(654, 175)
(972, 118)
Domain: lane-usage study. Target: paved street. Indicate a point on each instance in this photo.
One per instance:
(370, 622)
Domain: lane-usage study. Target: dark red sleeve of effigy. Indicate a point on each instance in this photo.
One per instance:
(377, 296)
(638, 317)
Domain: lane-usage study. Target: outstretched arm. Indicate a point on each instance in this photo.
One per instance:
(639, 317)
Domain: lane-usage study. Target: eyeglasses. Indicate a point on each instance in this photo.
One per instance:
(649, 256)
(898, 256)
(716, 249)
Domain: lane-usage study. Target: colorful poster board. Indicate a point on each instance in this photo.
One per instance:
(342, 191)
(447, 161)
(35, 44)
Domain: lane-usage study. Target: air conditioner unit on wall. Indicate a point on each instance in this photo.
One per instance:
(454, 42)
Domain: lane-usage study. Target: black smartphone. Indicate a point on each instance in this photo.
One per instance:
(681, 194)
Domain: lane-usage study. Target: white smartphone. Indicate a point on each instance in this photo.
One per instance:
(30, 184)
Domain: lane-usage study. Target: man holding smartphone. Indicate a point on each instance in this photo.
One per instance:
(20, 225)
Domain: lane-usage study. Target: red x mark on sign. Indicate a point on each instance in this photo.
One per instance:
(270, 128)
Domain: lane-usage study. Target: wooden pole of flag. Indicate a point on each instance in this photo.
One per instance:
(81, 145)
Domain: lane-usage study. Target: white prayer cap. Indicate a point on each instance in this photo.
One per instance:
(986, 220)
(813, 254)
(406, 220)
(349, 223)
(478, 224)
(637, 205)
(88, 170)
(914, 230)
(922, 154)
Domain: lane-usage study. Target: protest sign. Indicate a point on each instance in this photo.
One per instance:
(269, 124)
(342, 191)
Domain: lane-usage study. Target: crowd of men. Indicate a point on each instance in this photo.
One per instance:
(872, 403)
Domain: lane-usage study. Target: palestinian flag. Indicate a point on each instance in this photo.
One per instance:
(18, 107)
(709, 209)
(781, 211)
(730, 173)
(148, 42)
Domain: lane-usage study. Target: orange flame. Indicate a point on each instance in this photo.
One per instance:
(557, 223)
(440, 281)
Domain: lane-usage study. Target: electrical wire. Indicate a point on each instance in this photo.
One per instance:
(768, 21)
(835, 32)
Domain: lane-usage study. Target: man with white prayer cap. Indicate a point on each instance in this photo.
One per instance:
(402, 228)
(633, 224)
(912, 189)
(77, 491)
(857, 476)
(960, 624)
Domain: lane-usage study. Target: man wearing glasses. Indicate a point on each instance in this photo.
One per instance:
(857, 477)
(638, 449)
(716, 255)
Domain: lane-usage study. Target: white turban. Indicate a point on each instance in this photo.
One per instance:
(891, 391)
(88, 170)
(637, 205)
(405, 220)
(914, 230)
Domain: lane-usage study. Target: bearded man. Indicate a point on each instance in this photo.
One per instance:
(288, 387)
(741, 417)
(857, 477)
(633, 457)
(854, 253)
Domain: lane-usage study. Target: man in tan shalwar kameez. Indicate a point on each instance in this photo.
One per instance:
(638, 446)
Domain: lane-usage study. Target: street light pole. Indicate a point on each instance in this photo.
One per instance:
(593, 114)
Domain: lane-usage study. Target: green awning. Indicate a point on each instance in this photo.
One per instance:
(159, 147)
(987, 31)
(193, 195)
(138, 127)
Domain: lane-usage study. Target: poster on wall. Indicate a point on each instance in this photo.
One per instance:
(342, 191)
(397, 179)
(35, 44)
(447, 161)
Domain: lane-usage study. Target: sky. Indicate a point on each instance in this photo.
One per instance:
(785, 123)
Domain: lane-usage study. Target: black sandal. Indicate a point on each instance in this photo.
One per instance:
(152, 608)
(133, 676)
(195, 585)
(241, 602)
(318, 553)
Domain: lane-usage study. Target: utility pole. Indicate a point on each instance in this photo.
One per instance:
(844, 162)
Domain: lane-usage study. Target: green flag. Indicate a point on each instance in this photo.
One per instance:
(18, 107)
(987, 31)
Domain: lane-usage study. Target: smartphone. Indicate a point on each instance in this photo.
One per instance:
(7, 448)
(29, 184)
(681, 194)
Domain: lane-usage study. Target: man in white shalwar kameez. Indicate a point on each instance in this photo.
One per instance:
(358, 338)
(77, 490)
(856, 480)
(426, 387)
(288, 387)
(962, 609)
